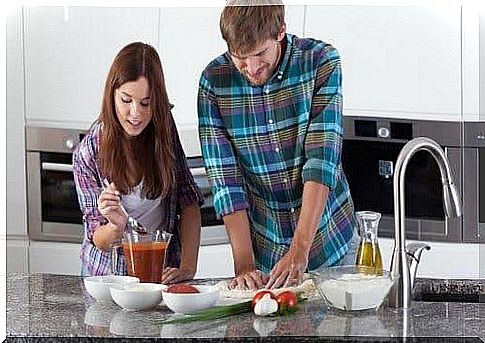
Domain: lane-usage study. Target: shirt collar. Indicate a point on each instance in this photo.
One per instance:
(284, 63)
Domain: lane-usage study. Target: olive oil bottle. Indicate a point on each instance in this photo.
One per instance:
(368, 256)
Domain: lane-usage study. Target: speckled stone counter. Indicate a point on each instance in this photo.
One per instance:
(53, 308)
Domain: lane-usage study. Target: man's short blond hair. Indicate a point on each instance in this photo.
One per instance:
(245, 24)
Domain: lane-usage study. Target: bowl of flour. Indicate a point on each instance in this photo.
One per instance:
(352, 288)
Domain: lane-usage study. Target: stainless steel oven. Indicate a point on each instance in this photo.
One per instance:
(213, 229)
(53, 209)
(474, 182)
(370, 150)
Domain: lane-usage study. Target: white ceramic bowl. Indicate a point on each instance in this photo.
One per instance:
(187, 303)
(98, 286)
(352, 288)
(140, 296)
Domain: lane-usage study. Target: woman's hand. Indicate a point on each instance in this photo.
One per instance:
(175, 275)
(253, 279)
(109, 206)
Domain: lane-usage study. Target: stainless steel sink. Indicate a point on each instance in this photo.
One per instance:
(448, 290)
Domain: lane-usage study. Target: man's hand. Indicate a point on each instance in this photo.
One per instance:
(253, 279)
(289, 270)
(175, 275)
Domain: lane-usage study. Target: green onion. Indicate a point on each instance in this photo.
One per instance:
(218, 312)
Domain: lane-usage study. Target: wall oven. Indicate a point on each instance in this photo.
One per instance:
(474, 182)
(370, 150)
(53, 209)
(213, 229)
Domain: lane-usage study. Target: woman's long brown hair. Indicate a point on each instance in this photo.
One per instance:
(127, 160)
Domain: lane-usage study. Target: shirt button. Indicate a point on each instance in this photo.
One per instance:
(270, 121)
(266, 90)
(280, 77)
(277, 149)
(292, 210)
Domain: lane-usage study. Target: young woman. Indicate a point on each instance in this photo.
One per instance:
(134, 144)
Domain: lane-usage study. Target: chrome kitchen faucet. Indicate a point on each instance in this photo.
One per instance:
(404, 263)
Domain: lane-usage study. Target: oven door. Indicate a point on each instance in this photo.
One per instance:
(53, 209)
(474, 195)
(213, 231)
(368, 165)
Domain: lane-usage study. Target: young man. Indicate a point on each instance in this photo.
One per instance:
(270, 125)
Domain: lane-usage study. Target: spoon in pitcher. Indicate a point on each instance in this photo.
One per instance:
(131, 221)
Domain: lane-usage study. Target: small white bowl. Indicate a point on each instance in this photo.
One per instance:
(98, 286)
(187, 303)
(136, 297)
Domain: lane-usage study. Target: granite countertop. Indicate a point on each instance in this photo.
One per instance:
(52, 308)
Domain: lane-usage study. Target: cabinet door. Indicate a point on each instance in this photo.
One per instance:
(17, 256)
(189, 39)
(482, 65)
(68, 51)
(397, 61)
(54, 258)
(215, 261)
(16, 184)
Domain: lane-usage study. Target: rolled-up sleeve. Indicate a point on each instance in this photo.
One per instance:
(187, 191)
(323, 143)
(88, 187)
(220, 160)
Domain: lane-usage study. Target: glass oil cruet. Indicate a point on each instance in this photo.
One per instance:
(368, 252)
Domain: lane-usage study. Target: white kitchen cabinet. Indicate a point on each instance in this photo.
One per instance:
(16, 180)
(215, 261)
(54, 258)
(17, 255)
(68, 51)
(443, 261)
(189, 39)
(473, 42)
(482, 65)
(398, 61)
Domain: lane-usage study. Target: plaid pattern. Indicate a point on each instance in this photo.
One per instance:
(88, 179)
(262, 143)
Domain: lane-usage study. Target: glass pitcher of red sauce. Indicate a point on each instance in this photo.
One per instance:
(145, 254)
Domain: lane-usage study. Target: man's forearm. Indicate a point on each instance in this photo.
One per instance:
(237, 226)
(313, 203)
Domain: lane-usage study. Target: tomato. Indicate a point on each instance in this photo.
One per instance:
(182, 288)
(259, 295)
(287, 301)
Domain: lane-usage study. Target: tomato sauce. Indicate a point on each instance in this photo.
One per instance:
(182, 288)
(145, 260)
